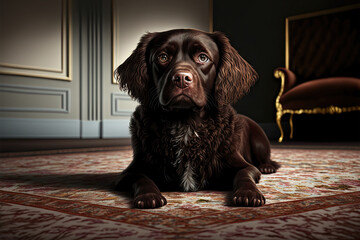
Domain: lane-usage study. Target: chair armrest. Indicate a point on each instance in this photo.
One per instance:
(288, 79)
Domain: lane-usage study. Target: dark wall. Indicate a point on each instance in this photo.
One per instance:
(257, 30)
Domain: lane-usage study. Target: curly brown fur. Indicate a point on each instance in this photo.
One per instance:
(185, 134)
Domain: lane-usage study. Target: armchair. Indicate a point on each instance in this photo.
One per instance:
(322, 73)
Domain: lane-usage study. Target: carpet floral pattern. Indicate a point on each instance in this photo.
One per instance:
(316, 193)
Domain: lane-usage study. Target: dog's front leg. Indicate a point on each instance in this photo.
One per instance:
(245, 191)
(146, 193)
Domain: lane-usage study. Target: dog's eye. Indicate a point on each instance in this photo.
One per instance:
(202, 58)
(163, 58)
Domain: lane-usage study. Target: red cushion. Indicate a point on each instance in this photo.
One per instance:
(337, 91)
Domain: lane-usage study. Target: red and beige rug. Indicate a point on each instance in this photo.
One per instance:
(315, 195)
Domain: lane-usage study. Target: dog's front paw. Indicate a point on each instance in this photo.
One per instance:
(269, 167)
(248, 198)
(150, 200)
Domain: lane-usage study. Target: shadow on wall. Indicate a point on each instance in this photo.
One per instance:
(328, 128)
(257, 31)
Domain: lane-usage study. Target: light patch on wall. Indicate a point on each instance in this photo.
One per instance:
(35, 38)
(132, 19)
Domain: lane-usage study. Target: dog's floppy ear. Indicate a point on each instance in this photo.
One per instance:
(133, 75)
(235, 75)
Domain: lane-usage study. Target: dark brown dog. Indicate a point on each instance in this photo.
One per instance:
(185, 134)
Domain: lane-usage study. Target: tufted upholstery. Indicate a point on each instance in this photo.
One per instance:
(325, 46)
(323, 71)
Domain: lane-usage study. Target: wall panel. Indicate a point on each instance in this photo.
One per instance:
(34, 99)
(35, 38)
(44, 43)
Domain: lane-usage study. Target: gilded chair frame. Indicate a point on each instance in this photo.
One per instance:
(280, 111)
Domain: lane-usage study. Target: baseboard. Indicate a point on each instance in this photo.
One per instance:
(25, 128)
(115, 128)
(39, 128)
(90, 129)
(73, 145)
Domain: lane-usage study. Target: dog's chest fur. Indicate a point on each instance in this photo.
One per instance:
(183, 139)
(185, 153)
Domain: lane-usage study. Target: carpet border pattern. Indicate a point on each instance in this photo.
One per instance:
(164, 221)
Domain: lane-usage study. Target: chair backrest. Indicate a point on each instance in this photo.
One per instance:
(324, 44)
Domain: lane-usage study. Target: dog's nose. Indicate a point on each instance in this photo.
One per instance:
(182, 79)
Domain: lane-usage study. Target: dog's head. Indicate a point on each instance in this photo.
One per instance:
(185, 69)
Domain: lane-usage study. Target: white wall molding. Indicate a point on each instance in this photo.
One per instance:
(117, 108)
(62, 98)
(91, 62)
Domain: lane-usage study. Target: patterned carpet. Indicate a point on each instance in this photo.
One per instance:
(315, 195)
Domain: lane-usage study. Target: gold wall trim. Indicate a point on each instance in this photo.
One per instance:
(324, 12)
(65, 72)
(310, 15)
(211, 15)
(114, 20)
(41, 69)
(287, 61)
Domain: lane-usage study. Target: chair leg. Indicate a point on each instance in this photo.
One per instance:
(291, 126)
(278, 121)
